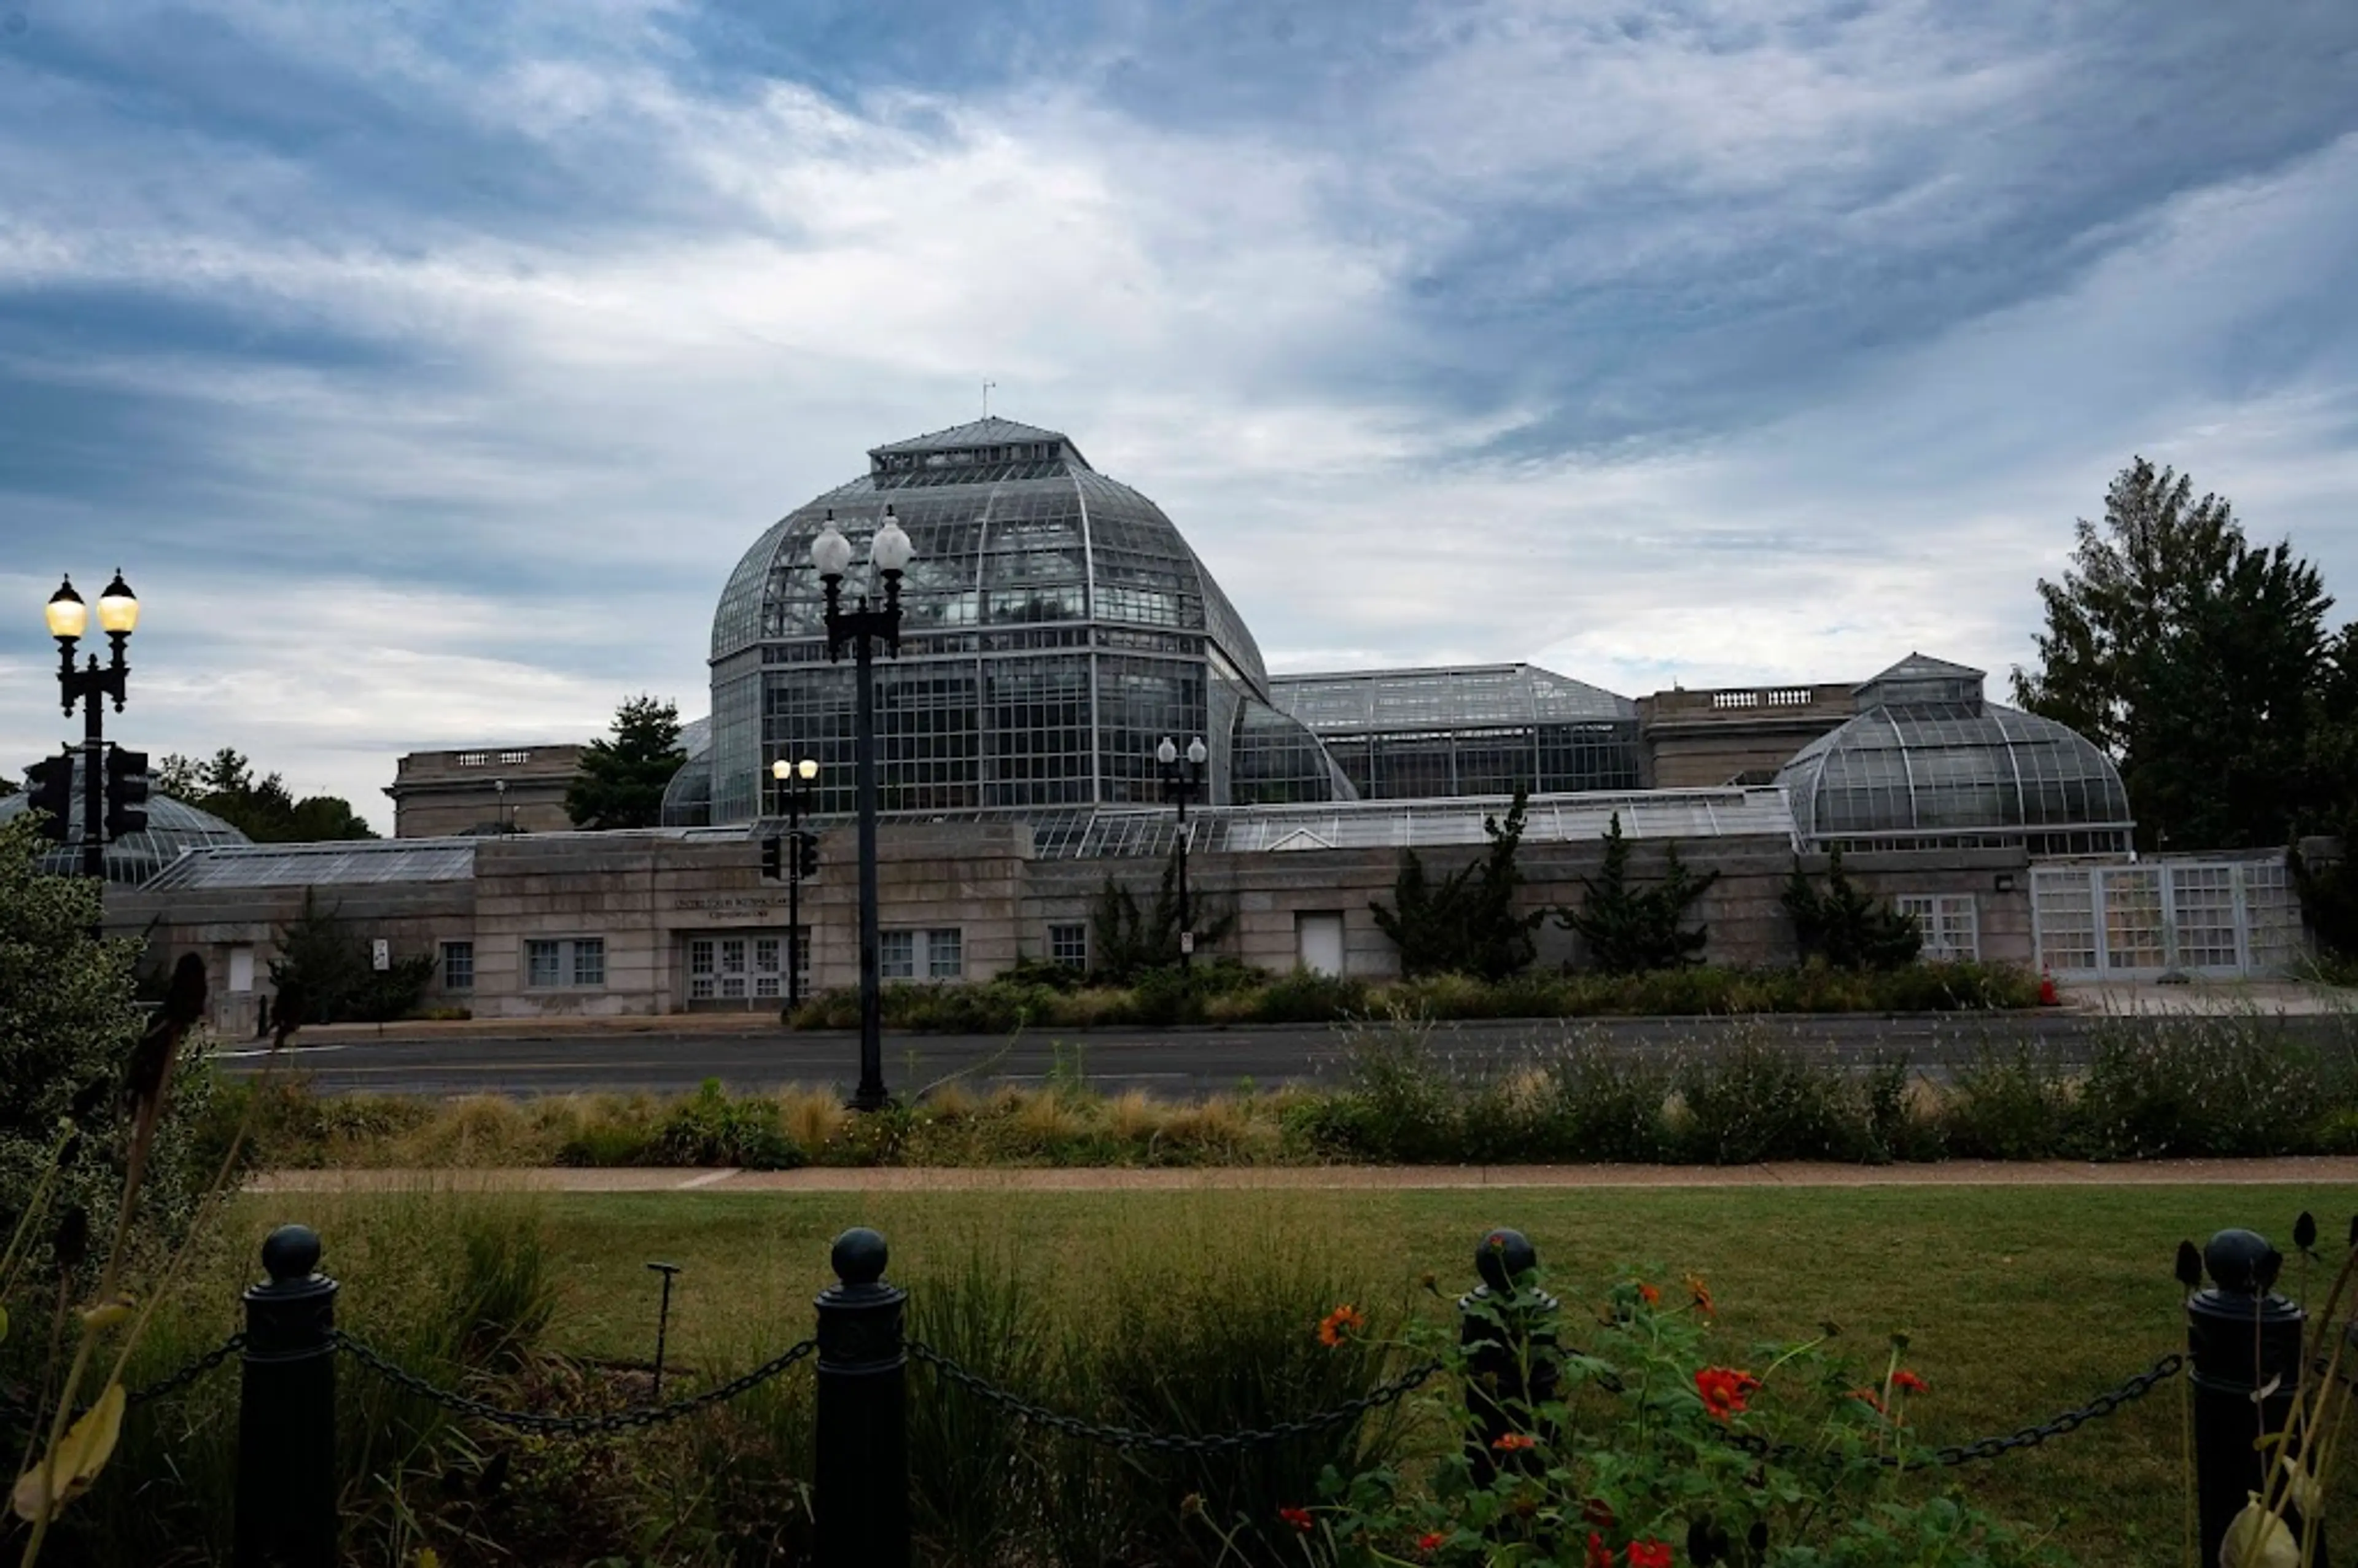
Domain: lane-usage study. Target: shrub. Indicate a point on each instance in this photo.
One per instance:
(2008, 1105)
(2187, 1084)
(1762, 1099)
(711, 1129)
(1303, 997)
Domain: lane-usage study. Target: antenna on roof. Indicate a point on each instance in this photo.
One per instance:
(985, 397)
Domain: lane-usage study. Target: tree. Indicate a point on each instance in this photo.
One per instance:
(1125, 942)
(263, 809)
(1847, 927)
(69, 1020)
(1630, 930)
(621, 781)
(2190, 657)
(1466, 923)
(325, 972)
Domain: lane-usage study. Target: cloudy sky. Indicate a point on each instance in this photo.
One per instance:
(427, 366)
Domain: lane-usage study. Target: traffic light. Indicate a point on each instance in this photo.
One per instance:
(48, 789)
(126, 793)
(772, 861)
(805, 854)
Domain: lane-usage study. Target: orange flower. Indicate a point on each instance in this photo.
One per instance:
(1724, 1390)
(1867, 1397)
(1430, 1541)
(1650, 1555)
(1514, 1442)
(1701, 1294)
(1649, 1294)
(1332, 1327)
(1910, 1382)
(1298, 1518)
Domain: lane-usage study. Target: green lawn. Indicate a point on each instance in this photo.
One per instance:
(2020, 1302)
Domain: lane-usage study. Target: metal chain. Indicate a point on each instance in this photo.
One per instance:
(1171, 1443)
(570, 1425)
(2070, 1420)
(187, 1374)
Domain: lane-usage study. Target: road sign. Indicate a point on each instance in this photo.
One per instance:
(381, 954)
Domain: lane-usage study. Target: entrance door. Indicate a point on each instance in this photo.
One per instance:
(1318, 942)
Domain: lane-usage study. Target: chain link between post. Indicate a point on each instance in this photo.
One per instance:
(1125, 1437)
(2071, 1420)
(187, 1374)
(570, 1425)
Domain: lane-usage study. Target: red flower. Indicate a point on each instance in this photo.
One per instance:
(1512, 1441)
(1724, 1390)
(1650, 1555)
(1598, 1555)
(1430, 1541)
(1867, 1396)
(1332, 1327)
(1649, 1294)
(1701, 1293)
(1904, 1378)
(1298, 1518)
(1598, 1512)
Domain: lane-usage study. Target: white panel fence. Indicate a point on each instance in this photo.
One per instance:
(2216, 919)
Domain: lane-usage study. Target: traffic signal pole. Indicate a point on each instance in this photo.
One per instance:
(93, 792)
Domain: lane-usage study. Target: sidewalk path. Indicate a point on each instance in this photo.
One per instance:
(1348, 1178)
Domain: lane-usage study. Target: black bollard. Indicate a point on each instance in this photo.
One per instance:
(2239, 1335)
(1517, 1333)
(861, 1493)
(287, 1412)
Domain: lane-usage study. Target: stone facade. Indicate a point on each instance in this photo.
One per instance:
(1699, 739)
(515, 789)
(652, 923)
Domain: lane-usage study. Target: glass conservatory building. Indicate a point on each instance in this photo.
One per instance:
(173, 829)
(1474, 730)
(1054, 626)
(1929, 763)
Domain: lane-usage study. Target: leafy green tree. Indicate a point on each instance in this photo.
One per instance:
(1466, 923)
(263, 808)
(1631, 930)
(70, 1025)
(1847, 927)
(622, 779)
(2191, 657)
(326, 972)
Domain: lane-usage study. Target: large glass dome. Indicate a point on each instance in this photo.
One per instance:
(173, 829)
(1928, 763)
(1055, 627)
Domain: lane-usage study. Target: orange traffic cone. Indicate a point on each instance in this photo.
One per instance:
(2047, 997)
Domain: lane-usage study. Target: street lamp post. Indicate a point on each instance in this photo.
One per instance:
(68, 617)
(792, 777)
(861, 628)
(1181, 778)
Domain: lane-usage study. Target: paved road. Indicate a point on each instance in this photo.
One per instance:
(1169, 1061)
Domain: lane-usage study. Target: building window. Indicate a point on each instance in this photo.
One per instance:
(945, 955)
(568, 961)
(1950, 924)
(938, 955)
(700, 965)
(1069, 946)
(458, 966)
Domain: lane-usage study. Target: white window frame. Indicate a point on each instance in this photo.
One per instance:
(465, 951)
(577, 963)
(945, 953)
(896, 954)
(933, 954)
(1950, 922)
(1076, 955)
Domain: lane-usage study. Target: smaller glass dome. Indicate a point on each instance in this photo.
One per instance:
(173, 827)
(1929, 763)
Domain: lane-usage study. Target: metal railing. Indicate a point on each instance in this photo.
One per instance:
(2245, 1348)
